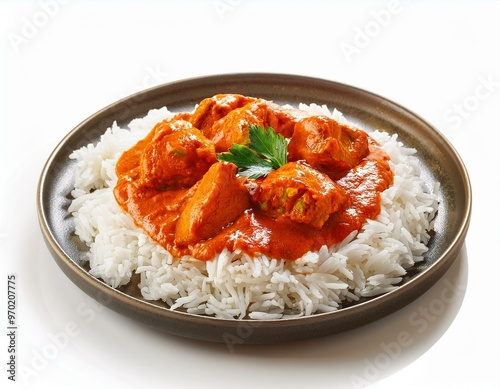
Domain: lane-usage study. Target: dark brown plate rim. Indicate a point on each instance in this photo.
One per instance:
(438, 160)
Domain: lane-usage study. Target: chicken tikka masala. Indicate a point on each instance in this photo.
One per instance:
(247, 174)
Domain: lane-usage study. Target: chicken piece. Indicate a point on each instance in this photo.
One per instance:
(301, 193)
(219, 200)
(283, 120)
(214, 108)
(177, 157)
(233, 128)
(167, 126)
(327, 145)
(130, 160)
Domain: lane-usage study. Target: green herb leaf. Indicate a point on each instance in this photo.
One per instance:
(265, 152)
(268, 144)
(249, 163)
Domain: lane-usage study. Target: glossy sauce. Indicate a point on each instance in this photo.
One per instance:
(282, 238)
(157, 212)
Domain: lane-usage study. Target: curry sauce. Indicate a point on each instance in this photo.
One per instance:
(174, 187)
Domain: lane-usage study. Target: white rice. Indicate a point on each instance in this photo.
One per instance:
(234, 285)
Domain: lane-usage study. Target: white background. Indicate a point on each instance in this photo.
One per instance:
(63, 61)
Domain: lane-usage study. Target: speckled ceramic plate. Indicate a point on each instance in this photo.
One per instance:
(438, 159)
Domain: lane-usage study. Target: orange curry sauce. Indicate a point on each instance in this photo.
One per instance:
(355, 172)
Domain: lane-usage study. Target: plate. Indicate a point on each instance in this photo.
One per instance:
(437, 158)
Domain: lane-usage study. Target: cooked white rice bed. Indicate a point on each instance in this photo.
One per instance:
(234, 285)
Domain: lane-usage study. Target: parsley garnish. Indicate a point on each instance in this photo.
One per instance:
(265, 152)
